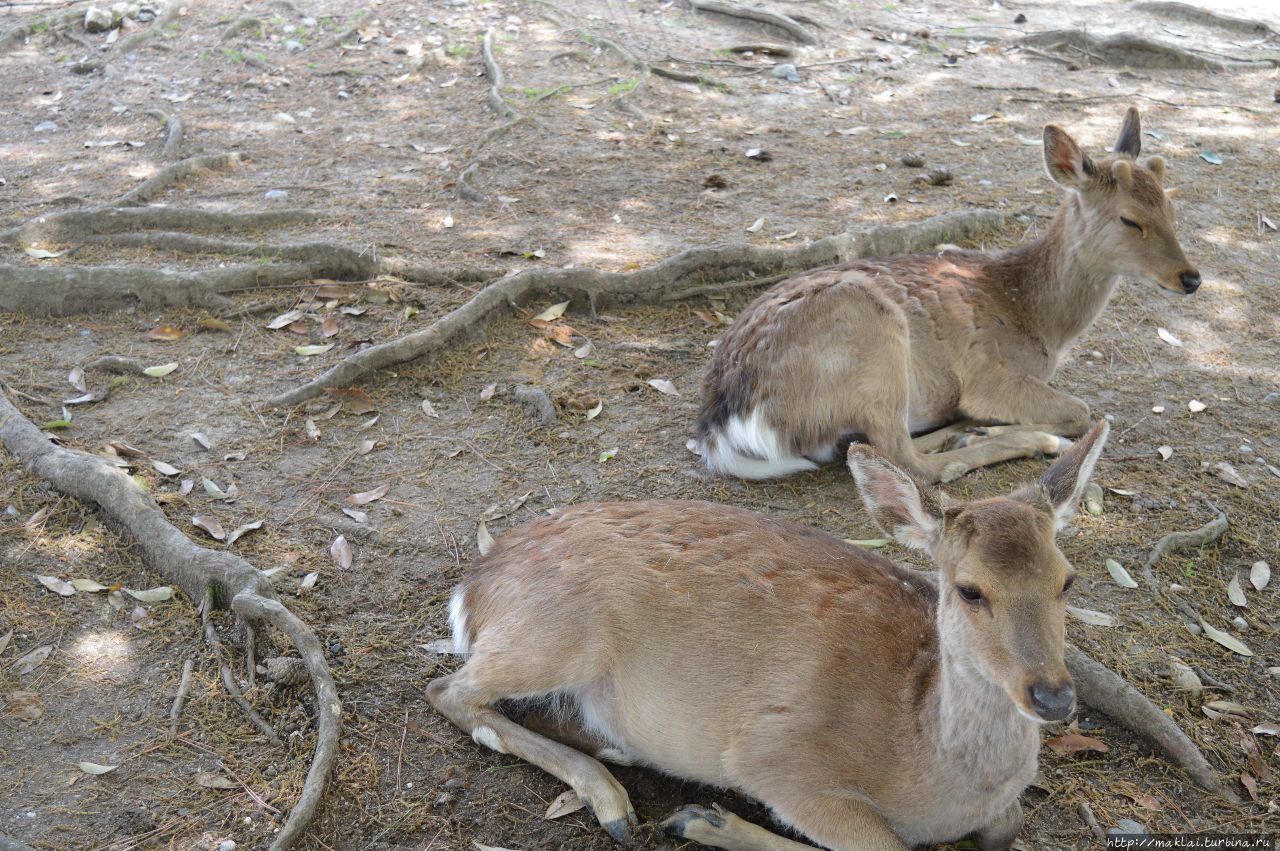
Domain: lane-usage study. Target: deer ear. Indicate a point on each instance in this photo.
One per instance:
(904, 510)
(1063, 159)
(1065, 481)
(1155, 165)
(1129, 142)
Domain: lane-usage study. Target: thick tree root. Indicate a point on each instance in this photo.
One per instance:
(689, 273)
(171, 174)
(16, 35)
(79, 225)
(132, 41)
(219, 577)
(173, 132)
(1106, 692)
(1124, 49)
(1195, 14)
(786, 23)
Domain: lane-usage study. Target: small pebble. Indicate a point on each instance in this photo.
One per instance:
(276, 195)
(293, 45)
(1272, 399)
(44, 127)
(343, 95)
(227, 844)
(1240, 622)
(309, 22)
(913, 161)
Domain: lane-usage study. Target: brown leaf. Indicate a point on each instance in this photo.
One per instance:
(210, 524)
(27, 705)
(210, 780)
(369, 496)
(166, 333)
(215, 325)
(1256, 761)
(565, 803)
(341, 552)
(329, 327)
(1076, 743)
(707, 317)
(562, 334)
(353, 399)
(1251, 785)
(41, 515)
(57, 586)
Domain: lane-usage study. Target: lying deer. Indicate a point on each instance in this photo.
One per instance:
(867, 706)
(880, 350)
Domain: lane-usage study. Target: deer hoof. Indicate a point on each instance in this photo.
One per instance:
(620, 828)
(687, 822)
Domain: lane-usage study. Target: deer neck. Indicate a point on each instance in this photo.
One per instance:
(1059, 284)
(976, 729)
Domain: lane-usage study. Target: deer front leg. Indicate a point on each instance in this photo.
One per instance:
(1000, 834)
(841, 825)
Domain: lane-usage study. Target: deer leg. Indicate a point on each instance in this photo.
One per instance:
(839, 824)
(1029, 403)
(939, 438)
(1000, 834)
(464, 698)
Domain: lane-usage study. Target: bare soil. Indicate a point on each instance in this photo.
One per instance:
(374, 129)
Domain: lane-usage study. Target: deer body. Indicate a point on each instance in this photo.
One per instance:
(853, 696)
(880, 350)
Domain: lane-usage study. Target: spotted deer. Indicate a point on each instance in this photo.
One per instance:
(933, 344)
(869, 705)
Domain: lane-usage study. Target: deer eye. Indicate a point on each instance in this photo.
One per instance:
(969, 594)
(1131, 223)
(1066, 586)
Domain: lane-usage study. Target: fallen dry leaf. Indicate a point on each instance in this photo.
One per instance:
(28, 662)
(166, 333)
(369, 496)
(341, 553)
(553, 312)
(209, 524)
(57, 586)
(211, 780)
(353, 400)
(1076, 743)
(26, 705)
(663, 386)
(487, 393)
(565, 803)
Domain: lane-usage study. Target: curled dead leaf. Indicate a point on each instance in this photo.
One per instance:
(366, 497)
(57, 586)
(209, 524)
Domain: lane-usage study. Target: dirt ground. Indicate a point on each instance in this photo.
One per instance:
(371, 115)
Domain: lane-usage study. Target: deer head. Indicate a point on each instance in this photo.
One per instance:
(1125, 212)
(1002, 582)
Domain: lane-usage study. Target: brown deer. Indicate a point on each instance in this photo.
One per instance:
(869, 705)
(880, 350)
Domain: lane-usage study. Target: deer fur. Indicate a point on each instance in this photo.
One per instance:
(880, 350)
(866, 703)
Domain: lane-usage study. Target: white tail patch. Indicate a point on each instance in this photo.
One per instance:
(458, 622)
(749, 449)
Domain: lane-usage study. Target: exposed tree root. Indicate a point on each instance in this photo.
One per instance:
(1107, 692)
(16, 35)
(1203, 16)
(1177, 541)
(171, 174)
(239, 25)
(510, 118)
(623, 100)
(1123, 49)
(221, 578)
(786, 23)
(688, 273)
(173, 132)
(184, 689)
(82, 224)
(132, 41)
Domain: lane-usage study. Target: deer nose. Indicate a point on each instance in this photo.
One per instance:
(1190, 281)
(1053, 703)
